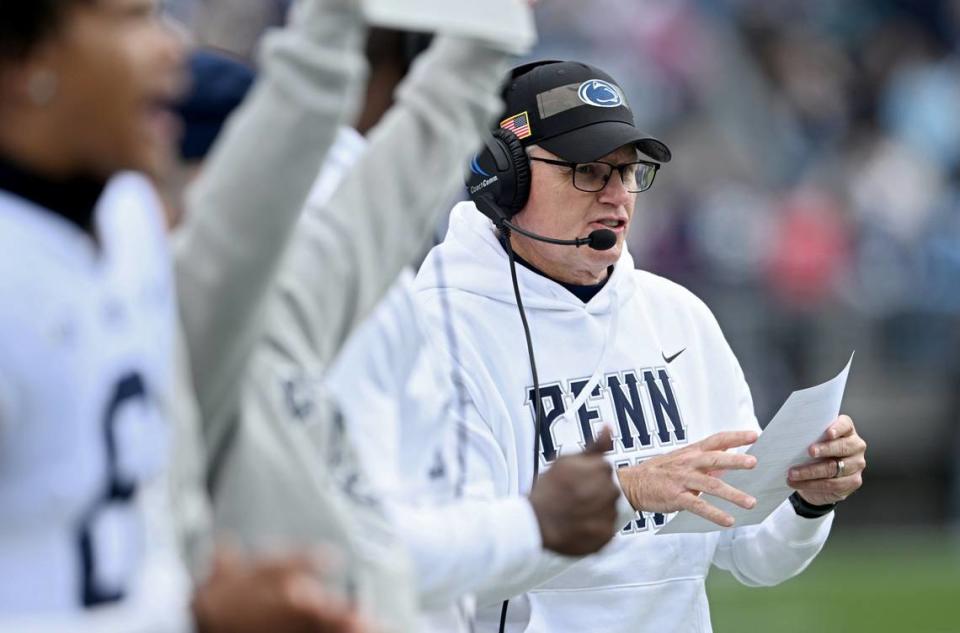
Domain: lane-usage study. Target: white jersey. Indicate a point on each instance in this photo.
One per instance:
(645, 357)
(85, 359)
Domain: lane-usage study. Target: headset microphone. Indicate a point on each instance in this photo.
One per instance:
(599, 240)
(602, 239)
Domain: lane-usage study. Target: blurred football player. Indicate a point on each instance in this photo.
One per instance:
(87, 329)
(88, 314)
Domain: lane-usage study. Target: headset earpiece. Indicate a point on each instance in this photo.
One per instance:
(500, 175)
(521, 171)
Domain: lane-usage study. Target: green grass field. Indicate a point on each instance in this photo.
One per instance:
(861, 582)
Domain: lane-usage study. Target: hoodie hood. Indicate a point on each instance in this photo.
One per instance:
(479, 265)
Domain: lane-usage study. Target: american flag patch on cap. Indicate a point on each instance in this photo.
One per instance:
(519, 124)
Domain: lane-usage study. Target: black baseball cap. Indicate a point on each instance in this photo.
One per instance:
(573, 110)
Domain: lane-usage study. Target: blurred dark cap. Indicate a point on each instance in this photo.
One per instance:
(218, 84)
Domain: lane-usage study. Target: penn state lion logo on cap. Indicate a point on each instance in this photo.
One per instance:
(600, 93)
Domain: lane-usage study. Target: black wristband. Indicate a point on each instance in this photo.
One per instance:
(808, 510)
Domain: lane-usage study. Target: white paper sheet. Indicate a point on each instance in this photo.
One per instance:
(497, 21)
(800, 422)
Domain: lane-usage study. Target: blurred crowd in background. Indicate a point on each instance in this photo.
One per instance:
(813, 200)
(814, 203)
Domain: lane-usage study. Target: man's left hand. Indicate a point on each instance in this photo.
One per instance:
(838, 473)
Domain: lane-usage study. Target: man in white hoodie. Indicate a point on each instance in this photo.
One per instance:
(616, 347)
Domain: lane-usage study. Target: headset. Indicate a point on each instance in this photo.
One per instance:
(499, 184)
(499, 178)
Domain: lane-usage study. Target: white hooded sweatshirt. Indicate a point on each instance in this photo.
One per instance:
(644, 357)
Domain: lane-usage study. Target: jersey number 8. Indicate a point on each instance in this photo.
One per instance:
(101, 540)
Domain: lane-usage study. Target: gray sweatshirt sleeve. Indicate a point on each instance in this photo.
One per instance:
(348, 251)
(244, 205)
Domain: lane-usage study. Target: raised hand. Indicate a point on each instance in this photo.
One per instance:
(576, 501)
(674, 481)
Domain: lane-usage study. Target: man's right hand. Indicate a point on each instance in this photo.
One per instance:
(282, 594)
(673, 481)
(576, 501)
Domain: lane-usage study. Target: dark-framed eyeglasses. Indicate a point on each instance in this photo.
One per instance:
(636, 176)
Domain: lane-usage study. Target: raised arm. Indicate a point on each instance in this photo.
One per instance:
(348, 251)
(244, 205)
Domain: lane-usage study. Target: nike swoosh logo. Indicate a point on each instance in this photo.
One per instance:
(670, 359)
